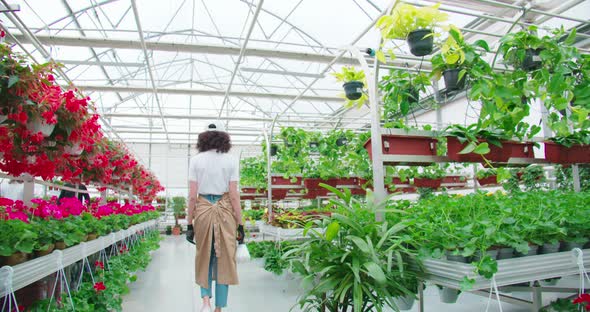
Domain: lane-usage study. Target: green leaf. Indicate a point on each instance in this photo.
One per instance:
(375, 272)
(12, 80)
(362, 245)
(468, 148)
(482, 148)
(467, 283)
(571, 38)
(332, 230)
(380, 56)
(482, 44)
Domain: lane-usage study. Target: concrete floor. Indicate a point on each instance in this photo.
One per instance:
(168, 285)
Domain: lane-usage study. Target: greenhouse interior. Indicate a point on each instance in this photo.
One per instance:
(295, 155)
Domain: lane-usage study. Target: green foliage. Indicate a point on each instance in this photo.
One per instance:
(253, 172)
(357, 263)
(405, 18)
(115, 280)
(401, 90)
(17, 236)
(470, 225)
(252, 214)
(259, 249)
(485, 173)
(431, 172)
(533, 177)
(562, 305)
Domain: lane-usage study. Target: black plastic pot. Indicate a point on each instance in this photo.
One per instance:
(273, 150)
(452, 82)
(421, 42)
(353, 90)
(341, 141)
(532, 61)
(413, 95)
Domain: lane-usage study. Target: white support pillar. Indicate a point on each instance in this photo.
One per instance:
(28, 189)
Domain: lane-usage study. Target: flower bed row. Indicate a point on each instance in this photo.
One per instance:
(481, 228)
(104, 291)
(46, 131)
(28, 232)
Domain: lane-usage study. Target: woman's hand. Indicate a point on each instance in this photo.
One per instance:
(190, 234)
(241, 234)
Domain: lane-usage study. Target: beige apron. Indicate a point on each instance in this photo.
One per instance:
(215, 218)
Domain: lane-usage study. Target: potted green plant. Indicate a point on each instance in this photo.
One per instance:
(474, 144)
(17, 242)
(414, 24)
(522, 49)
(487, 177)
(168, 230)
(429, 177)
(354, 81)
(178, 206)
(569, 149)
(459, 61)
(401, 91)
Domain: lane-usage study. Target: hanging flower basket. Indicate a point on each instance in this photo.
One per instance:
(353, 90)
(405, 145)
(452, 82)
(273, 150)
(559, 154)
(421, 42)
(491, 180)
(509, 149)
(430, 183)
(38, 125)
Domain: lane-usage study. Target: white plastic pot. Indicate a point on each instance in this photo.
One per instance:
(75, 150)
(38, 125)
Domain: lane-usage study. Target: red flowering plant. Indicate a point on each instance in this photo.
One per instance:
(584, 300)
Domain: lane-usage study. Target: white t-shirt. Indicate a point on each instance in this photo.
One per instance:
(213, 171)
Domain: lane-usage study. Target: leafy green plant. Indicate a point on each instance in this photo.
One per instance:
(401, 90)
(350, 74)
(356, 263)
(431, 172)
(259, 249)
(486, 173)
(273, 260)
(253, 172)
(565, 181)
(532, 177)
(405, 18)
(253, 214)
(472, 135)
(18, 236)
(581, 137)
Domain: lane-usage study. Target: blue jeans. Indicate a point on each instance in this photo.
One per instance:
(221, 290)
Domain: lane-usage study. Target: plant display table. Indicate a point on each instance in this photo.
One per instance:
(31, 271)
(510, 272)
(283, 234)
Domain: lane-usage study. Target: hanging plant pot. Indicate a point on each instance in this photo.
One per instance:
(452, 82)
(313, 145)
(353, 90)
(341, 141)
(429, 183)
(421, 42)
(533, 250)
(491, 180)
(413, 95)
(559, 154)
(404, 303)
(75, 150)
(505, 253)
(405, 145)
(60, 245)
(509, 149)
(448, 295)
(38, 125)
(548, 248)
(532, 60)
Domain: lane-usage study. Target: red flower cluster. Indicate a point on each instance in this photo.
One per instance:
(16, 210)
(99, 265)
(50, 132)
(123, 249)
(583, 299)
(99, 287)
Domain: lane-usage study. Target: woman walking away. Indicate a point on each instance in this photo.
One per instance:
(214, 214)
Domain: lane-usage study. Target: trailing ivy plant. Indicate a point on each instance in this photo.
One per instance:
(401, 92)
(348, 74)
(253, 172)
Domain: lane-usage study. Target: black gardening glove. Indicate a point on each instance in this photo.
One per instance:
(190, 234)
(241, 234)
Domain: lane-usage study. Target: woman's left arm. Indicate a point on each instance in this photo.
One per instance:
(234, 196)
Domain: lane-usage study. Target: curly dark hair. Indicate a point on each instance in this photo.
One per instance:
(213, 140)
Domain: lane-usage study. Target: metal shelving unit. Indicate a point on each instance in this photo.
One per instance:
(31, 271)
(510, 272)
